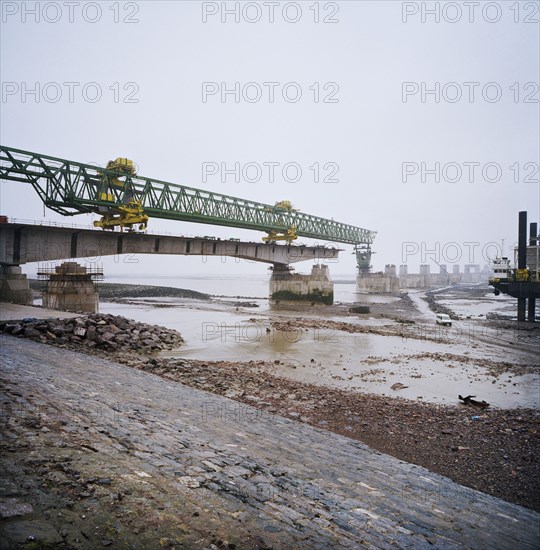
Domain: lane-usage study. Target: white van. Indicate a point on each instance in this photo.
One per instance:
(443, 319)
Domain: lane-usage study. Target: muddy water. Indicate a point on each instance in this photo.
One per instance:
(361, 362)
(504, 305)
(467, 307)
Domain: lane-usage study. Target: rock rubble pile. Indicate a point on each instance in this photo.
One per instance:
(97, 331)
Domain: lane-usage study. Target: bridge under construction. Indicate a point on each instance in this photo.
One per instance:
(115, 192)
(126, 200)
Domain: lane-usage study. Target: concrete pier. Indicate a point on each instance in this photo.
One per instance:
(389, 282)
(71, 287)
(14, 285)
(380, 282)
(287, 287)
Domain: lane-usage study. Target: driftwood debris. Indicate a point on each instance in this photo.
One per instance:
(473, 403)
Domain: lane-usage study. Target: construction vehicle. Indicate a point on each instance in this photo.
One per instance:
(130, 212)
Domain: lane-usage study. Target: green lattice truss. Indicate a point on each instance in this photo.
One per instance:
(73, 188)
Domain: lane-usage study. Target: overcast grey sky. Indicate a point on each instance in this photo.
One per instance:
(362, 71)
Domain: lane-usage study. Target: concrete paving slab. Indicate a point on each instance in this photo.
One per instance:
(16, 312)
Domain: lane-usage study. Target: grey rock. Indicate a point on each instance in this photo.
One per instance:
(31, 333)
(11, 508)
(104, 481)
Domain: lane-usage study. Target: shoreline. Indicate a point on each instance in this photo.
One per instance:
(491, 450)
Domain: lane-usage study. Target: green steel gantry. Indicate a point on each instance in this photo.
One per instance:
(73, 188)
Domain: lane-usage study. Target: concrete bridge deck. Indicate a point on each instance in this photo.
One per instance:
(22, 243)
(200, 467)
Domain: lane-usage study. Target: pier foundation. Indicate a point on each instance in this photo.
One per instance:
(378, 283)
(70, 287)
(287, 287)
(14, 285)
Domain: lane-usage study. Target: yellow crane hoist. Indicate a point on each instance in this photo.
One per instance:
(121, 215)
(290, 234)
(124, 215)
(285, 205)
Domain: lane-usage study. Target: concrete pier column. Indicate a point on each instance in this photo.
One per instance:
(380, 283)
(14, 285)
(532, 310)
(521, 309)
(287, 287)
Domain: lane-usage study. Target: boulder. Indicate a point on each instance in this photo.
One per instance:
(91, 333)
(30, 332)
